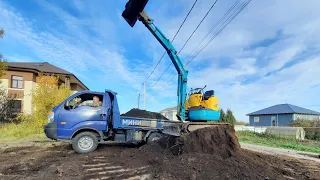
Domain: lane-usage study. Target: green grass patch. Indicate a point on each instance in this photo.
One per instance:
(274, 141)
(21, 131)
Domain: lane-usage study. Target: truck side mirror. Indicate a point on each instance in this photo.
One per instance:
(67, 105)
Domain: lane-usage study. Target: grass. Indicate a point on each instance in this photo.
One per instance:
(23, 131)
(274, 141)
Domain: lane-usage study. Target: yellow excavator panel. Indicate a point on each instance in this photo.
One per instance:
(211, 103)
(195, 100)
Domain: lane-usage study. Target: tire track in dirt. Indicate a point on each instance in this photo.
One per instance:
(101, 168)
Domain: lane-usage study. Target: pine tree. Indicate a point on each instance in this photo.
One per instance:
(230, 118)
(222, 116)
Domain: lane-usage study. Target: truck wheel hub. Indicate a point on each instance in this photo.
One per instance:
(85, 143)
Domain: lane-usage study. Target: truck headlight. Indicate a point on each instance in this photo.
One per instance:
(51, 117)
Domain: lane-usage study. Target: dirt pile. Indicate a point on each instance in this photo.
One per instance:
(209, 153)
(218, 140)
(144, 114)
(125, 162)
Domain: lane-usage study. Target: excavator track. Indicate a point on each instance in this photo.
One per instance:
(177, 129)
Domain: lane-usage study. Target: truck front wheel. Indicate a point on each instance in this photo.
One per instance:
(85, 142)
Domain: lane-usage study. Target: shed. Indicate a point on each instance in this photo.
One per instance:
(297, 133)
(281, 115)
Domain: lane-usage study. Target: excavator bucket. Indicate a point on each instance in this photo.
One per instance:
(132, 10)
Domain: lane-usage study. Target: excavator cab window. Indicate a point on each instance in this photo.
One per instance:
(208, 94)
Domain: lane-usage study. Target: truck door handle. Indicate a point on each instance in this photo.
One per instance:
(102, 115)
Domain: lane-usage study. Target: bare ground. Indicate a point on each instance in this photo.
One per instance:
(49, 160)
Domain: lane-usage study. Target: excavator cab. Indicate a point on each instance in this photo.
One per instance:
(202, 106)
(197, 98)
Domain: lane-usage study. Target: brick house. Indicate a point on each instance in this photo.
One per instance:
(20, 80)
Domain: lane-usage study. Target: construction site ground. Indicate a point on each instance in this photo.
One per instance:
(57, 160)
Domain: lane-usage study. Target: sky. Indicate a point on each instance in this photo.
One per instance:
(269, 54)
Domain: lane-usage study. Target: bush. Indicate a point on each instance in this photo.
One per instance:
(300, 123)
(241, 123)
(46, 96)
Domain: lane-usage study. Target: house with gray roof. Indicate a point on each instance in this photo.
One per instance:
(20, 80)
(170, 113)
(281, 115)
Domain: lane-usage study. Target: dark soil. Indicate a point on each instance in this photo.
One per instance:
(144, 114)
(210, 153)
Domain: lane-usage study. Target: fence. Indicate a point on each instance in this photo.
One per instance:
(299, 133)
(255, 129)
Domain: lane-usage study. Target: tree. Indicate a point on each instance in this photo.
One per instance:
(6, 103)
(230, 118)
(3, 63)
(1, 33)
(222, 116)
(46, 96)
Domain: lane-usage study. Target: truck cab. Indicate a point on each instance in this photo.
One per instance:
(86, 124)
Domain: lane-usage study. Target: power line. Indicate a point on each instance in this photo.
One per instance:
(197, 27)
(171, 41)
(217, 33)
(184, 44)
(197, 52)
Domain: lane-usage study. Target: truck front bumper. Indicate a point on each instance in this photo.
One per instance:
(50, 130)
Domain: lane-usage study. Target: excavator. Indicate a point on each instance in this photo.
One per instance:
(195, 110)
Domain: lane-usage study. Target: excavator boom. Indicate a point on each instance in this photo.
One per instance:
(200, 117)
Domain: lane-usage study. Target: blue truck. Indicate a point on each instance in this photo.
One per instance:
(87, 126)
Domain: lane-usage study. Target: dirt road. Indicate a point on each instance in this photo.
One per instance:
(282, 152)
(58, 161)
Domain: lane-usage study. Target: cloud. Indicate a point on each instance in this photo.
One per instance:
(268, 54)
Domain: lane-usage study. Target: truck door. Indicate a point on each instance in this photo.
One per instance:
(81, 112)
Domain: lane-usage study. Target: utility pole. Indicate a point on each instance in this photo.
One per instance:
(139, 101)
(144, 95)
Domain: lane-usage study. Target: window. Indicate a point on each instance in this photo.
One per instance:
(16, 82)
(256, 119)
(85, 100)
(17, 106)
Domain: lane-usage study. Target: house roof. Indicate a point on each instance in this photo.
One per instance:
(39, 66)
(169, 109)
(284, 109)
(43, 67)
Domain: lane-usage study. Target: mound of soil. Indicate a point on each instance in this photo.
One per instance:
(218, 140)
(209, 153)
(144, 114)
(38, 161)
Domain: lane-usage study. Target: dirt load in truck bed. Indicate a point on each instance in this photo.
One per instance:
(210, 153)
(144, 114)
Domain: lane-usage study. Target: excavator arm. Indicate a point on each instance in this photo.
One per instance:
(134, 10)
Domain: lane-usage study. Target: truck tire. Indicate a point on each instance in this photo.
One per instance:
(85, 142)
(154, 137)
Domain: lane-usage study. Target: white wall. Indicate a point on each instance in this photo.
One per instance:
(27, 103)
